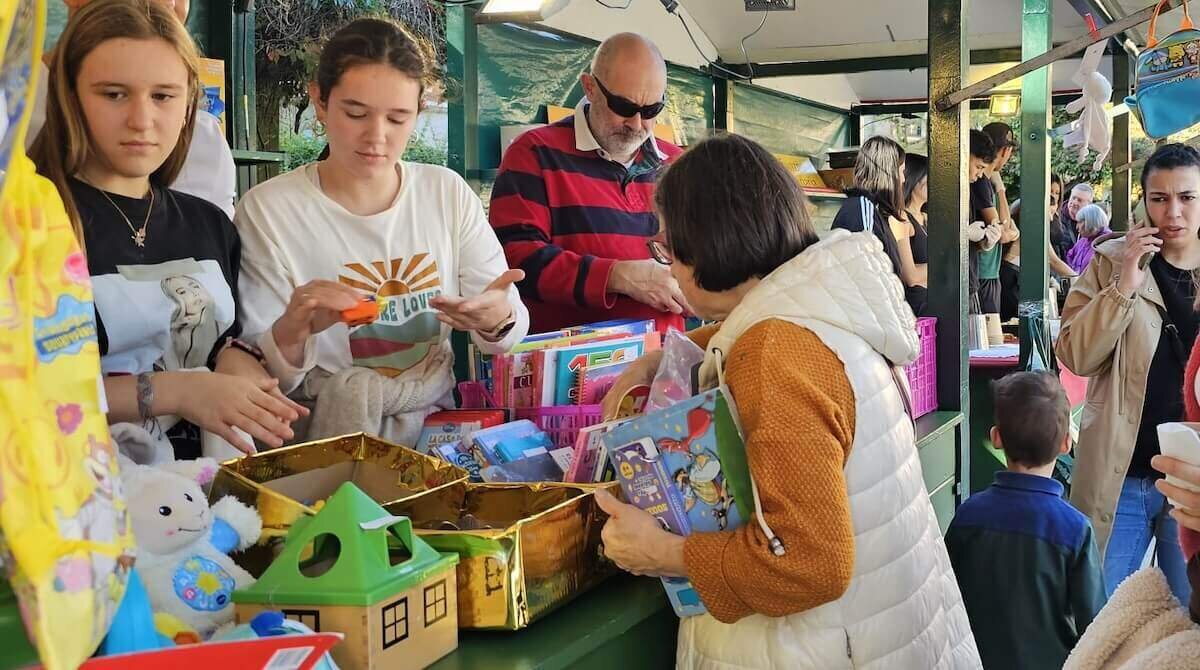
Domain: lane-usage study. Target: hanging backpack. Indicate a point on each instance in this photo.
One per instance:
(1168, 79)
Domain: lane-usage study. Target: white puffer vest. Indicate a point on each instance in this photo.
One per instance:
(903, 609)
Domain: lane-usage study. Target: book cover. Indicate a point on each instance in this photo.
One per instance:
(699, 452)
(595, 381)
(571, 360)
(512, 442)
(689, 436)
(450, 426)
(587, 450)
(646, 483)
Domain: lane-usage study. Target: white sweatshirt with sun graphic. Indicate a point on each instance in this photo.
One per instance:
(434, 239)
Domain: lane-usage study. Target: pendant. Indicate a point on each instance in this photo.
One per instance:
(139, 238)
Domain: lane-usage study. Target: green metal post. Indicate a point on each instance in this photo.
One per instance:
(948, 131)
(1035, 179)
(722, 103)
(462, 74)
(462, 136)
(1122, 150)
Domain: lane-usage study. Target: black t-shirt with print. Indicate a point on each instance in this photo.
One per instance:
(168, 305)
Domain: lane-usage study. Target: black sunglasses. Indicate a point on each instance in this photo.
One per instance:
(627, 108)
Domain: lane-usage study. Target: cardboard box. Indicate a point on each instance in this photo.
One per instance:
(287, 484)
(524, 549)
(840, 179)
(212, 85)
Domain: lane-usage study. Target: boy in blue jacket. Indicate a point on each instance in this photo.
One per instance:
(1025, 560)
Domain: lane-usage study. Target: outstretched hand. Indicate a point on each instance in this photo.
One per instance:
(484, 312)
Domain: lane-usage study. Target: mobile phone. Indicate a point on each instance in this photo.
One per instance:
(1144, 261)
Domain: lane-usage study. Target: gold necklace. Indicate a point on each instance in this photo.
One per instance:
(139, 234)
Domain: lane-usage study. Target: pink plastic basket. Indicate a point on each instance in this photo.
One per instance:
(562, 424)
(922, 374)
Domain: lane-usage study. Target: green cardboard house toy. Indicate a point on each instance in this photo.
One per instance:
(357, 570)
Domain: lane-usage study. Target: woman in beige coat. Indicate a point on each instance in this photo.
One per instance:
(1128, 325)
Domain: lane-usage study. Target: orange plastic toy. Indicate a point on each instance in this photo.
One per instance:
(366, 311)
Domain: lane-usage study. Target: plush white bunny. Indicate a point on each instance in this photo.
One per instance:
(182, 543)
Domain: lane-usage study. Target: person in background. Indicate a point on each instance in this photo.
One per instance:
(362, 223)
(913, 236)
(1020, 552)
(990, 204)
(572, 203)
(208, 172)
(1065, 235)
(876, 205)
(1129, 325)
(1010, 268)
(163, 264)
(980, 234)
(1091, 223)
(843, 564)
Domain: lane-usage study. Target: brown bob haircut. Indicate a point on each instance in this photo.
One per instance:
(1033, 416)
(64, 146)
(732, 212)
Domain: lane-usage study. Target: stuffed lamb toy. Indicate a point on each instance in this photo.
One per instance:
(182, 543)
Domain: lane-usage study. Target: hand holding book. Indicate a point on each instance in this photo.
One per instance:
(636, 541)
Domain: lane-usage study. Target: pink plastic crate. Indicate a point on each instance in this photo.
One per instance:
(562, 424)
(922, 374)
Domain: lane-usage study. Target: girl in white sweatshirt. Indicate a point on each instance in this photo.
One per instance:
(363, 223)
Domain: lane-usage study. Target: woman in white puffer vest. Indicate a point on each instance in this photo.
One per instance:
(842, 564)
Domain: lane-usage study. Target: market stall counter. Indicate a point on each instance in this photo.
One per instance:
(626, 618)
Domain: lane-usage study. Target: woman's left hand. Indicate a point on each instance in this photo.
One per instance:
(241, 364)
(1188, 514)
(636, 542)
(485, 312)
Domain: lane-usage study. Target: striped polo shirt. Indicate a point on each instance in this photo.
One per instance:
(566, 214)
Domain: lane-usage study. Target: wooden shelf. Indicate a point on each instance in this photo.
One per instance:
(824, 195)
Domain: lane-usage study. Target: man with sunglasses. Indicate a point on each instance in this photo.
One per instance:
(573, 203)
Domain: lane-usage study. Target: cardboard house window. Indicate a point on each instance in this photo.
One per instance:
(310, 618)
(435, 603)
(395, 622)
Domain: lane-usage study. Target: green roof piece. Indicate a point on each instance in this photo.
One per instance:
(362, 573)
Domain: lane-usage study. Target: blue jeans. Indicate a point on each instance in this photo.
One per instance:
(1142, 515)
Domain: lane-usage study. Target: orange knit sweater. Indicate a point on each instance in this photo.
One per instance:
(797, 410)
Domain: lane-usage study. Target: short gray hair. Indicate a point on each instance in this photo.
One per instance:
(1093, 220)
(1084, 187)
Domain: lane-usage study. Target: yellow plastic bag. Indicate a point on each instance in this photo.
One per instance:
(65, 541)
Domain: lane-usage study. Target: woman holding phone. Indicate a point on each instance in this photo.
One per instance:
(1129, 324)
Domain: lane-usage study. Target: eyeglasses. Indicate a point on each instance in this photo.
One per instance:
(659, 252)
(626, 108)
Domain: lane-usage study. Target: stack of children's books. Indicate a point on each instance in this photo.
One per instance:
(685, 465)
(575, 366)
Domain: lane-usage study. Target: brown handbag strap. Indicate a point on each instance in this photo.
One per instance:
(1186, 24)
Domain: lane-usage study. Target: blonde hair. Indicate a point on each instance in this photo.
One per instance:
(64, 147)
(877, 171)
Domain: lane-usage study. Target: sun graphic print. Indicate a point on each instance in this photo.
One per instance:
(407, 328)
